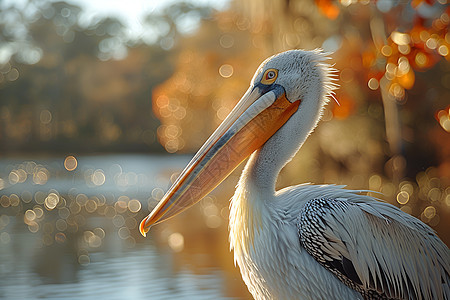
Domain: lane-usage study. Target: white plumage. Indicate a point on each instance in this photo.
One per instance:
(306, 241)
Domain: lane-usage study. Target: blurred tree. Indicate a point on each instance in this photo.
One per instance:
(71, 87)
(176, 20)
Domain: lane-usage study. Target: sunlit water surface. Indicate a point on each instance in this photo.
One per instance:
(68, 229)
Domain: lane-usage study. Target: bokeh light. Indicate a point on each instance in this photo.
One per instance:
(226, 70)
(176, 241)
(51, 201)
(70, 163)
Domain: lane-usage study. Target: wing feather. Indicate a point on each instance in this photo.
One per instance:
(375, 248)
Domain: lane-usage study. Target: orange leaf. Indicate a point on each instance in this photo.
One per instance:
(416, 3)
(345, 108)
(328, 8)
(407, 80)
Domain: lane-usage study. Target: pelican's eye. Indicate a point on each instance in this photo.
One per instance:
(269, 76)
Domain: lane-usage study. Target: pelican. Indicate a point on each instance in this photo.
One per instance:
(305, 241)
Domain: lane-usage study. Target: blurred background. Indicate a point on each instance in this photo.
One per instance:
(102, 103)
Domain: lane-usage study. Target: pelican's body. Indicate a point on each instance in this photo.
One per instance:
(265, 241)
(265, 233)
(306, 241)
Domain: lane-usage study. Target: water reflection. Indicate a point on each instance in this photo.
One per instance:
(68, 229)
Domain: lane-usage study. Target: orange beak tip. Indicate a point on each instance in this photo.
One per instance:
(142, 228)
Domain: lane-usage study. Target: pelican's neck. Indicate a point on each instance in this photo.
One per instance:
(250, 208)
(265, 164)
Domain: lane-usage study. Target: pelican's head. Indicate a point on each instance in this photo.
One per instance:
(303, 75)
(293, 83)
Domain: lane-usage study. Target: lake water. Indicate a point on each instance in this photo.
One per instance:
(68, 229)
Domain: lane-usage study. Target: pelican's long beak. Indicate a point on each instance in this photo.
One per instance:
(259, 114)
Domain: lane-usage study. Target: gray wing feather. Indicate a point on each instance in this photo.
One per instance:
(375, 248)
